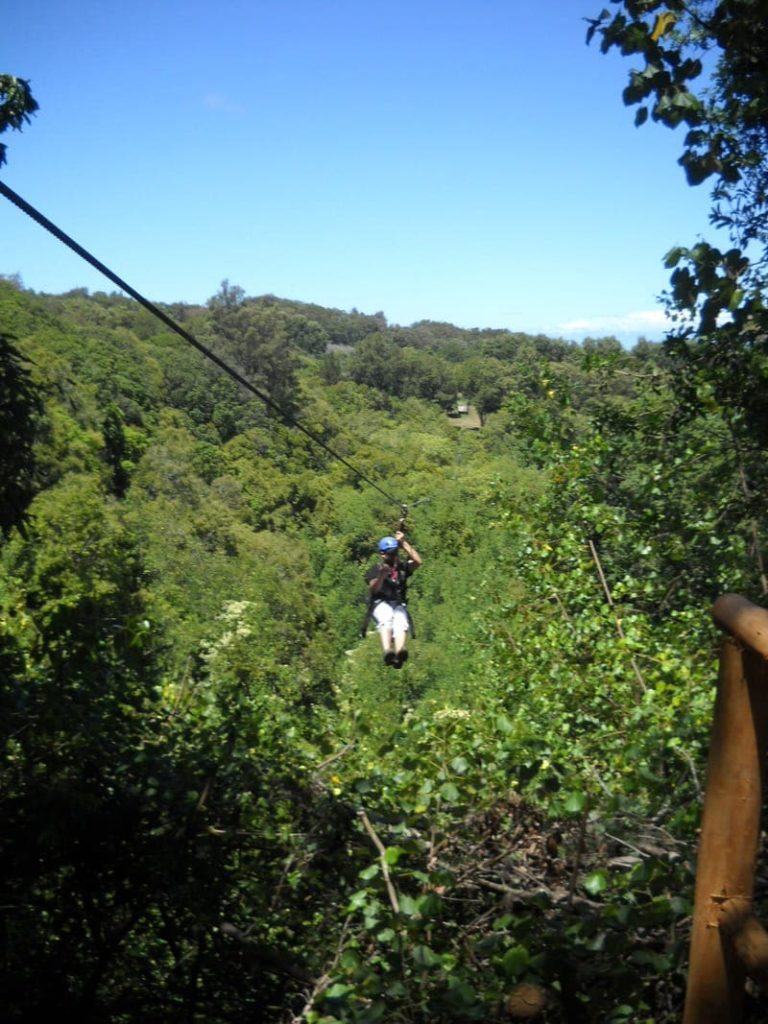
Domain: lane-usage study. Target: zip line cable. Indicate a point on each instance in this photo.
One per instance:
(287, 418)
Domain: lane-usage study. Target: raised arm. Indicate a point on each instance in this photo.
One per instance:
(412, 553)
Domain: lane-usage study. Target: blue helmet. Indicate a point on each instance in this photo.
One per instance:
(388, 544)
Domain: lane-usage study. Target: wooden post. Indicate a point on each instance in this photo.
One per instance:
(730, 826)
(748, 938)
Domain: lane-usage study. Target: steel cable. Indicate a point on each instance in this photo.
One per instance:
(286, 416)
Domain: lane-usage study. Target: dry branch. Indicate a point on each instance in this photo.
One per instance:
(609, 598)
(395, 903)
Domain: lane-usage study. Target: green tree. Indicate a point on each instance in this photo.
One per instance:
(717, 297)
(331, 368)
(306, 334)
(377, 363)
(426, 375)
(116, 449)
(258, 339)
(20, 411)
(17, 104)
(483, 382)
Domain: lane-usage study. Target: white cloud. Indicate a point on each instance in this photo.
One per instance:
(218, 101)
(639, 321)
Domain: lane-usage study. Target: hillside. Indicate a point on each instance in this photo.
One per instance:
(202, 756)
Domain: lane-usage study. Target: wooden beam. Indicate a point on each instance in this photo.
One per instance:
(730, 827)
(745, 621)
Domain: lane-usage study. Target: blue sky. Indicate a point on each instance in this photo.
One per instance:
(461, 161)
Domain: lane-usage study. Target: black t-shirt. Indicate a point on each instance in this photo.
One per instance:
(393, 588)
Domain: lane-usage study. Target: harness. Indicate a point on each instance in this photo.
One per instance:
(374, 599)
(372, 602)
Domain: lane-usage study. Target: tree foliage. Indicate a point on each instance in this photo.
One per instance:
(705, 66)
(17, 105)
(20, 410)
(191, 726)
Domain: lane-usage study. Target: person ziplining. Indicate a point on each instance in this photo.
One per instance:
(387, 581)
(387, 597)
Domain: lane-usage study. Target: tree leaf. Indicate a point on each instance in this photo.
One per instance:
(425, 957)
(338, 991)
(596, 882)
(504, 725)
(449, 792)
(408, 906)
(575, 803)
(514, 961)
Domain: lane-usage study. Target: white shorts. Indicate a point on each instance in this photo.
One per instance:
(389, 616)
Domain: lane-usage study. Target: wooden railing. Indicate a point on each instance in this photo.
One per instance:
(728, 943)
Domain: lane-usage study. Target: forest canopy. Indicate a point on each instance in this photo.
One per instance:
(192, 726)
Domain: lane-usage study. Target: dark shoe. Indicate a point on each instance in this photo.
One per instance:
(400, 658)
(390, 658)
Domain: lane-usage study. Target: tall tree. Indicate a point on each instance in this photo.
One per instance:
(717, 297)
(115, 449)
(20, 403)
(20, 409)
(258, 339)
(377, 362)
(483, 381)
